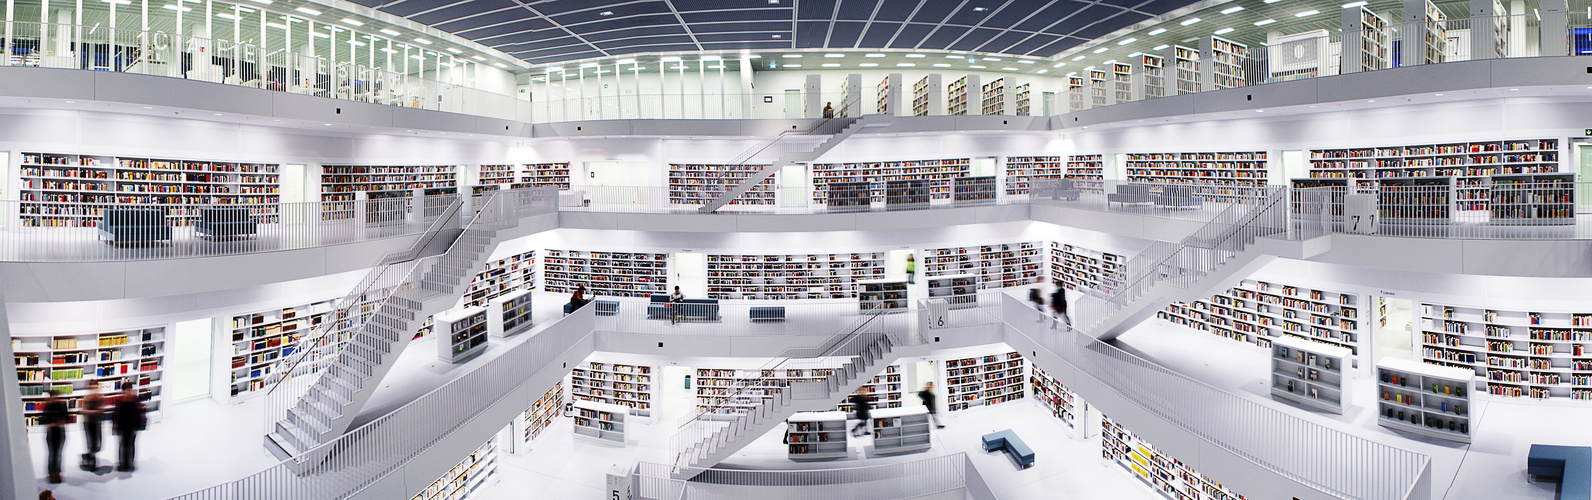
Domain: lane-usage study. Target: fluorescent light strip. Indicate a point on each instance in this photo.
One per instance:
(870, 65)
(308, 10)
(1157, 31)
(1189, 21)
(1266, 22)
(1307, 13)
(1233, 9)
(1224, 31)
(1128, 41)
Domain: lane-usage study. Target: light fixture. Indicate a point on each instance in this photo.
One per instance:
(1160, 47)
(870, 65)
(149, 107)
(1189, 21)
(1128, 41)
(776, 36)
(293, 20)
(356, 43)
(1512, 90)
(318, 34)
(755, 56)
(1109, 63)
(773, 2)
(793, 56)
(979, 9)
(352, 22)
(787, 65)
(710, 58)
(1100, 50)
(417, 58)
(1157, 31)
(279, 26)
(423, 41)
(1025, 61)
(1232, 9)
(1076, 59)
(626, 61)
(1440, 95)
(265, 2)
(915, 56)
(1010, 69)
(391, 51)
(942, 65)
(308, 10)
(501, 65)
(588, 65)
(831, 65)
(226, 16)
(389, 32)
(1260, 111)
(671, 59)
(1224, 31)
(602, 71)
(456, 51)
(993, 59)
(876, 56)
(682, 66)
(1307, 13)
(1266, 22)
(118, 2)
(478, 58)
(606, 13)
(327, 124)
(953, 56)
(1041, 72)
(976, 67)
(174, 7)
(1351, 5)
(1058, 65)
(906, 65)
(834, 56)
(1135, 54)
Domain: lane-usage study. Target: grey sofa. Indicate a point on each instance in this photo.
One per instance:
(133, 226)
(225, 222)
(1131, 194)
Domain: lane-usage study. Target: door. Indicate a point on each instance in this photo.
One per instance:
(1392, 329)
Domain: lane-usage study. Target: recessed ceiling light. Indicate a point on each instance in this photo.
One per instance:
(915, 56)
(1233, 9)
(1307, 13)
(682, 66)
(995, 59)
(793, 56)
(947, 65)
(906, 65)
(423, 41)
(874, 55)
(353, 22)
(1157, 31)
(776, 36)
(501, 65)
(308, 10)
(1128, 41)
(226, 16)
(318, 34)
(626, 61)
(1512, 90)
(601, 72)
(1025, 61)
(152, 107)
(218, 114)
(327, 125)
(279, 26)
(1351, 5)
(478, 58)
(266, 2)
(979, 9)
(870, 65)
(1266, 22)
(1010, 69)
(772, 2)
(1100, 50)
(953, 56)
(1224, 31)
(1189, 21)
(1058, 65)
(606, 13)
(834, 56)
(588, 65)
(1440, 95)
(1041, 72)
(1076, 59)
(1373, 100)
(174, 7)
(417, 58)
(830, 65)
(389, 32)
(976, 67)
(356, 43)
(1160, 47)
(455, 51)
(1136, 54)
(787, 65)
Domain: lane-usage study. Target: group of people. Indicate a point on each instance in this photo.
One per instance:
(126, 414)
(862, 406)
(1058, 305)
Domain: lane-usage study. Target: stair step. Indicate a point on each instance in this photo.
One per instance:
(310, 423)
(397, 311)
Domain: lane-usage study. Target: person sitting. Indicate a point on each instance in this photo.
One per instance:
(578, 299)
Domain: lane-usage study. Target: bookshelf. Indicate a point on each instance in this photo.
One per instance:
(546, 174)
(1420, 201)
(886, 389)
(466, 334)
(1025, 102)
(1121, 83)
(956, 96)
(502, 276)
(1309, 374)
(509, 314)
(1472, 165)
(882, 93)
(1532, 199)
(925, 96)
(731, 390)
(1022, 172)
(1535, 354)
(788, 277)
(465, 477)
(1076, 267)
(1099, 87)
(71, 364)
(1087, 172)
(817, 435)
(884, 295)
(973, 190)
(906, 194)
(1424, 399)
(1436, 35)
(994, 266)
(983, 380)
(1169, 476)
(600, 421)
(938, 173)
(619, 384)
(960, 291)
(1153, 69)
(59, 190)
(900, 430)
(1216, 170)
(1227, 62)
(340, 182)
(1051, 395)
(1077, 100)
(993, 98)
(1257, 312)
(493, 175)
(260, 339)
(846, 196)
(618, 274)
(1373, 40)
(542, 413)
(1186, 68)
(695, 184)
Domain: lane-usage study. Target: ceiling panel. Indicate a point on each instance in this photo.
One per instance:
(897, 10)
(934, 11)
(878, 34)
(910, 35)
(1002, 42)
(780, 26)
(943, 36)
(845, 34)
(974, 38)
(1032, 43)
(856, 10)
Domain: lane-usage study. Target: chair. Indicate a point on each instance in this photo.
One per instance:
(1178, 197)
(225, 222)
(1130, 193)
(133, 226)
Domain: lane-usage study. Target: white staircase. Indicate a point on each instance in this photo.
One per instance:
(850, 127)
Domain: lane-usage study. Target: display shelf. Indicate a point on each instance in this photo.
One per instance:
(920, 94)
(601, 421)
(494, 175)
(1024, 102)
(1424, 399)
(1154, 71)
(973, 190)
(1164, 473)
(509, 314)
(1054, 397)
(1421, 201)
(1436, 35)
(900, 430)
(1309, 374)
(340, 182)
(1473, 166)
(554, 175)
(983, 380)
(882, 101)
(886, 390)
(1215, 170)
(619, 274)
(1076, 90)
(993, 98)
(260, 339)
(64, 190)
(1227, 60)
(1087, 172)
(462, 480)
(994, 266)
(1121, 82)
(1532, 199)
(1186, 66)
(542, 413)
(728, 391)
(1023, 172)
(619, 384)
(73, 364)
(960, 291)
(502, 276)
(956, 97)
(1075, 267)
(696, 184)
(873, 176)
(1256, 312)
(884, 295)
(467, 334)
(906, 194)
(1099, 90)
(819, 435)
(1373, 40)
(787, 277)
(1536, 354)
(847, 196)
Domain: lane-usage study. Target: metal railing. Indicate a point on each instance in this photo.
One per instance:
(1438, 207)
(902, 480)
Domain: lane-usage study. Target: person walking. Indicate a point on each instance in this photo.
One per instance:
(912, 268)
(861, 403)
(54, 417)
(1058, 307)
(126, 420)
(927, 395)
(93, 412)
(829, 110)
(676, 301)
(1038, 298)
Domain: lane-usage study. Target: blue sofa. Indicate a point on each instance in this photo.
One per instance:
(1178, 197)
(225, 222)
(1131, 194)
(767, 313)
(133, 226)
(1571, 464)
(701, 309)
(1008, 442)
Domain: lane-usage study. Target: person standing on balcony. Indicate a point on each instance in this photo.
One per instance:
(1058, 307)
(829, 111)
(54, 417)
(126, 420)
(861, 402)
(676, 301)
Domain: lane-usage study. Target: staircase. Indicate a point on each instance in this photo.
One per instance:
(797, 156)
(317, 406)
(703, 442)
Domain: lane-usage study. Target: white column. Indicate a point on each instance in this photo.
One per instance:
(1553, 39)
(1517, 29)
(1413, 51)
(1484, 29)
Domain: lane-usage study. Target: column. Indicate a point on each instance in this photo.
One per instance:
(1554, 37)
(1484, 36)
(1412, 50)
(815, 97)
(853, 104)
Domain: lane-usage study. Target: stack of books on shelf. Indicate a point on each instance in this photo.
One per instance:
(983, 380)
(1258, 311)
(973, 190)
(1098, 92)
(959, 291)
(938, 173)
(920, 94)
(71, 365)
(621, 384)
(1211, 170)
(1228, 58)
(601, 421)
(1024, 104)
(554, 175)
(619, 274)
(1054, 397)
(1186, 67)
(492, 175)
(694, 184)
(906, 194)
(994, 266)
(1023, 172)
(1166, 474)
(1087, 172)
(1154, 71)
(465, 477)
(886, 296)
(786, 277)
(956, 97)
(1474, 167)
(502, 276)
(542, 413)
(817, 436)
(262, 339)
(68, 190)
(1121, 82)
(994, 98)
(900, 430)
(1075, 267)
(1534, 354)
(340, 182)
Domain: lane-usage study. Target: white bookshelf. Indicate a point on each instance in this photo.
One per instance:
(462, 480)
(1535, 354)
(995, 266)
(983, 380)
(626, 385)
(1310, 374)
(847, 196)
(994, 96)
(71, 364)
(1121, 83)
(1214, 170)
(1153, 69)
(817, 436)
(494, 175)
(1227, 62)
(1185, 68)
(900, 430)
(502, 276)
(1054, 397)
(925, 95)
(600, 421)
(1077, 100)
(541, 414)
(1087, 172)
(960, 291)
(886, 390)
(698, 184)
(62, 190)
(956, 97)
(466, 334)
(261, 339)
(790, 277)
(1023, 172)
(555, 175)
(340, 182)
(619, 274)
(1099, 87)
(1257, 312)
(1474, 167)
(1076, 267)
(1436, 42)
(1171, 477)
(1532, 199)
(1024, 103)
(1373, 40)
(938, 173)
(886, 296)
(1424, 399)
(509, 314)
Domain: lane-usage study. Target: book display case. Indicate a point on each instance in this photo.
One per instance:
(886, 389)
(694, 184)
(900, 430)
(960, 291)
(1536, 354)
(1227, 62)
(260, 339)
(502, 276)
(730, 392)
(786, 277)
(340, 182)
(1532, 199)
(71, 364)
(465, 477)
(59, 190)
(1022, 172)
(1154, 70)
(1220, 169)
(973, 190)
(493, 175)
(1087, 172)
(846, 196)
(995, 266)
(882, 296)
(906, 194)
(600, 421)
(619, 384)
(466, 334)
(938, 173)
(920, 94)
(1186, 68)
(509, 314)
(554, 175)
(1256, 312)
(1077, 99)
(1121, 82)
(1309, 374)
(956, 97)
(617, 274)
(1054, 397)
(994, 98)
(1165, 473)
(819, 435)
(1419, 200)
(541, 413)
(983, 380)
(1424, 399)
(1025, 101)
(1076, 267)
(1373, 40)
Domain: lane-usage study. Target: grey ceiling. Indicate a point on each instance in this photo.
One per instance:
(561, 30)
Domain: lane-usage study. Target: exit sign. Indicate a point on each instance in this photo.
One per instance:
(1588, 132)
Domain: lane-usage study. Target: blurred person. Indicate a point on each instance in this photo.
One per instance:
(126, 420)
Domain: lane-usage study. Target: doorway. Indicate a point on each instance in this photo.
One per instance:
(1393, 329)
(1583, 173)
